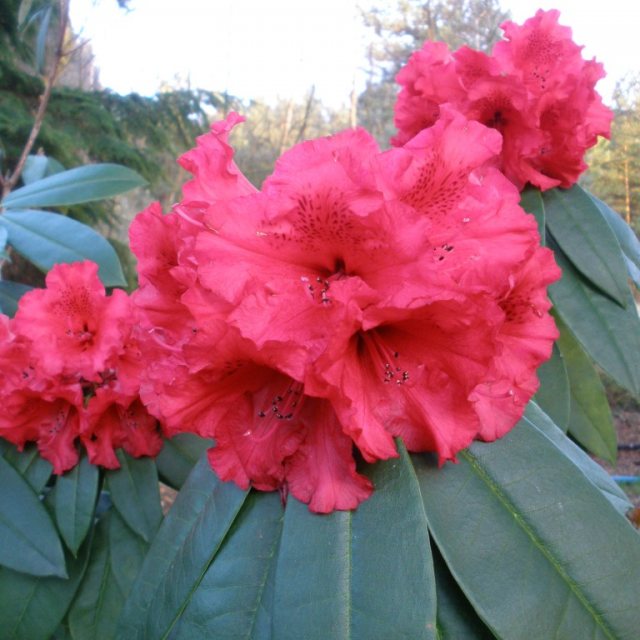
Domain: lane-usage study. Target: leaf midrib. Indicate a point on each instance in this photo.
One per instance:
(531, 534)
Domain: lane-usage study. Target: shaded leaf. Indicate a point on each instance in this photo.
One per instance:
(535, 417)
(135, 493)
(95, 610)
(234, 591)
(368, 574)
(126, 551)
(609, 333)
(28, 540)
(178, 457)
(10, 294)
(628, 240)
(28, 463)
(31, 608)
(510, 521)
(579, 227)
(531, 201)
(590, 421)
(553, 396)
(75, 502)
(75, 186)
(47, 239)
(456, 618)
(180, 554)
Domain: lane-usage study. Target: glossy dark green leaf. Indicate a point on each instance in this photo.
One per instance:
(178, 457)
(95, 610)
(456, 618)
(47, 238)
(609, 333)
(234, 598)
(75, 502)
(189, 538)
(28, 540)
(74, 186)
(34, 469)
(590, 420)
(135, 494)
(536, 418)
(10, 294)
(38, 167)
(554, 394)
(534, 545)
(31, 608)
(579, 227)
(531, 201)
(363, 575)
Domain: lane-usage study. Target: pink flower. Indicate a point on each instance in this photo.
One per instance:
(535, 89)
(357, 297)
(71, 368)
(74, 327)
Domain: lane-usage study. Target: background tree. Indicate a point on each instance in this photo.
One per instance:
(614, 174)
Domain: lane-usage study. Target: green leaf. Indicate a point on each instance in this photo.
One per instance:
(534, 545)
(75, 186)
(38, 167)
(531, 201)
(31, 608)
(233, 600)
(10, 294)
(590, 421)
(456, 618)
(180, 554)
(75, 502)
(94, 613)
(41, 41)
(363, 574)
(536, 418)
(553, 396)
(579, 227)
(28, 463)
(135, 494)
(178, 457)
(28, 540)
(47, 238)
(609, 333)
(628, 240)
(127, 552)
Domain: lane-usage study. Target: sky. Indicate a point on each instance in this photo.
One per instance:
(272, 49)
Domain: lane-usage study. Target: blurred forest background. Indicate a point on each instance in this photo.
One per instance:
(85, 123)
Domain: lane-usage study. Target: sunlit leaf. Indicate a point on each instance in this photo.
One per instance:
(75, 186)
(47, 239)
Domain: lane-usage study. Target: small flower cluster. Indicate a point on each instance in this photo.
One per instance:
(358, 296)
(535, 89)
(70, 370)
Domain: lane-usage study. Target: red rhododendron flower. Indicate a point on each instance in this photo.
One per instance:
(535, 88)
(71, 372)
(358, 296)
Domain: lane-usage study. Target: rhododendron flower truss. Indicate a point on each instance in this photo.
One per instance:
(71, 370)
(359, 296)
(535, 89)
